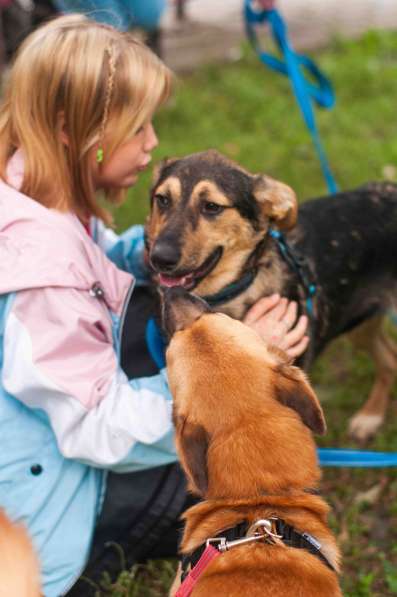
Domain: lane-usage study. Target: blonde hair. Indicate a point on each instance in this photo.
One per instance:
(98, 85)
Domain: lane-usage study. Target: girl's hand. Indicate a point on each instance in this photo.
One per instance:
(275, 320)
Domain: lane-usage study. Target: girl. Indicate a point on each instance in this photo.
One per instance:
(76, 118)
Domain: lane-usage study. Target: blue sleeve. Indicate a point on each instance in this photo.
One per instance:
(150, 454)
(127, 254)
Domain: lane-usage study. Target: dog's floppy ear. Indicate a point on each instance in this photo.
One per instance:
(278, 201)
(192, 442)
(293, 390)
(180, 309)
(159, 168)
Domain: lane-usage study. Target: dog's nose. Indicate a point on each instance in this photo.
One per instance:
(181, 309)
(165, 255)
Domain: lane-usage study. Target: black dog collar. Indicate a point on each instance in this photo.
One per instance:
(232, 290)
(294, 260)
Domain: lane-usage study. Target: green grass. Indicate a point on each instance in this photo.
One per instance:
(249, 114)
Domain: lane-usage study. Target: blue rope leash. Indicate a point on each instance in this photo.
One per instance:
(305, 92)
(356, 458)
(327, 456)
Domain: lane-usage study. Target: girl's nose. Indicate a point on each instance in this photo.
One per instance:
(151, 140)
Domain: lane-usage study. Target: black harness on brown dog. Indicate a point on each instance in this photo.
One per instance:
(240, 534)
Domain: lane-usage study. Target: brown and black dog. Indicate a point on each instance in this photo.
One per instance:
(19, 568)
(243, 418)
(208, 230)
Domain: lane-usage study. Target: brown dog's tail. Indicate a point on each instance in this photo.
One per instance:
(19, 567)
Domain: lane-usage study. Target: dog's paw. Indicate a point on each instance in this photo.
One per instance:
(363, 427)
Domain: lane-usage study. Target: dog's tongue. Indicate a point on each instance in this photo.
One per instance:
(169, 281)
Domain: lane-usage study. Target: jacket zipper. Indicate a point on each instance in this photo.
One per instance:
(123, 316)
(97, 291)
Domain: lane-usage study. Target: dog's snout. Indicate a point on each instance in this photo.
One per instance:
(181, 309)
(165, 255)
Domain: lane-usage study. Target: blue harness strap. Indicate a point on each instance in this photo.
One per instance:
(293, 66)
(298, 264)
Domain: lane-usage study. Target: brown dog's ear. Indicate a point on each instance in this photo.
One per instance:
(278, 201)
(158, 169)
(180, 309)
(293, 390)
(192, 442)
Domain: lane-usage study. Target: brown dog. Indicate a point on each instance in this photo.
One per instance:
(19, 569)
(243, 417)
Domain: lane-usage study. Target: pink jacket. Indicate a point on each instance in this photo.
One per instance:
(61, 338)
(67, 410)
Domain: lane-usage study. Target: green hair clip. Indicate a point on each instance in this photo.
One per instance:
(99, 155)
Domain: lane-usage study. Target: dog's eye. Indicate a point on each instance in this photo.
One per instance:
(162, 201)
(209, 208)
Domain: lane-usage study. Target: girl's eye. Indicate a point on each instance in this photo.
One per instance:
(162, 201)
(211, 209)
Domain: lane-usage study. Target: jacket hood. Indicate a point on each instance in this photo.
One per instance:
(41, 247)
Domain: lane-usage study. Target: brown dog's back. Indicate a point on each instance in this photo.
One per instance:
(19, 569)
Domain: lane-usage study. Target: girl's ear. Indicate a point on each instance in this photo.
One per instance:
(293, 390)
(192, 442)
(62, 129)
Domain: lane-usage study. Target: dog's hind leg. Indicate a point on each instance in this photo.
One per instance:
(366, 422)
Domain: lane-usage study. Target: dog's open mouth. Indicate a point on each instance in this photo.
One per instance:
(189, 280)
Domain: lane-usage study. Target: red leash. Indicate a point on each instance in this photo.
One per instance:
(209, 554)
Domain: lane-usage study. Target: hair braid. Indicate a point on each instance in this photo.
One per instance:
(108, 98)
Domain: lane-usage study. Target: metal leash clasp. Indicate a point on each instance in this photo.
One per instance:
(264, 529)
(223, 545)
(261, 530)
(219, 542)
